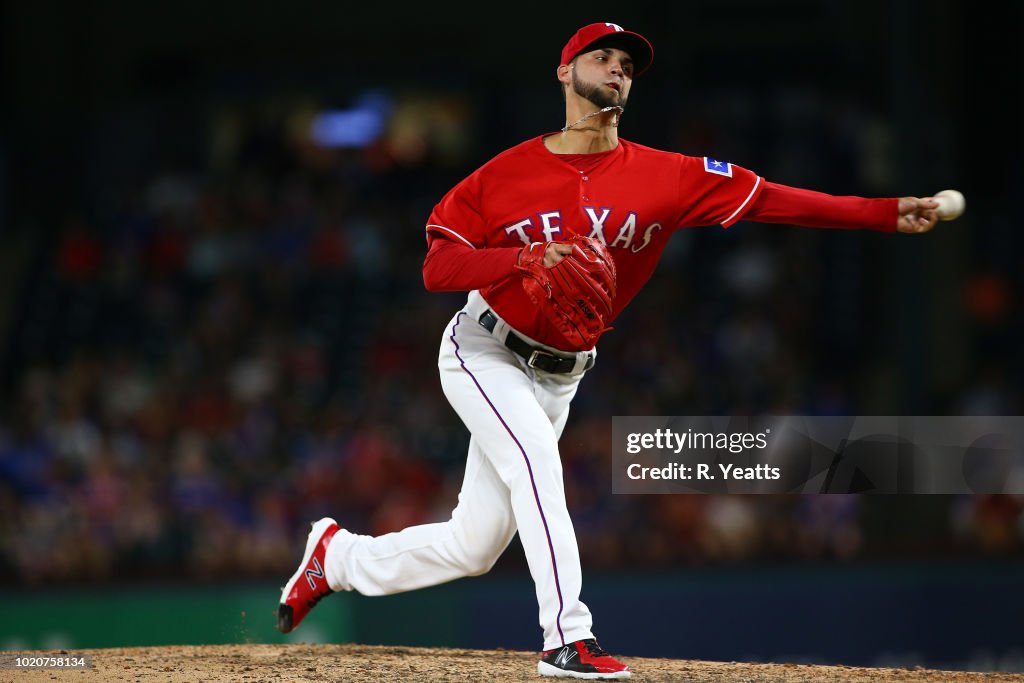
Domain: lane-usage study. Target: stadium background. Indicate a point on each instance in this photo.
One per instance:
(213, 328)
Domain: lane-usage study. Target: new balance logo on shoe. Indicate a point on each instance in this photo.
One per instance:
(564, 656)
(314, 572)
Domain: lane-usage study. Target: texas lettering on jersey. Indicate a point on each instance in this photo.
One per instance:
(633, 197)
(547, 227)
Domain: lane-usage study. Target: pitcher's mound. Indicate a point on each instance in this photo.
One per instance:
(278, 663)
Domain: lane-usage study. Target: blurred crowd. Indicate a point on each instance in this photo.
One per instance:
(219, 353)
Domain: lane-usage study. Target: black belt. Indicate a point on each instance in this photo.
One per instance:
(536, 357)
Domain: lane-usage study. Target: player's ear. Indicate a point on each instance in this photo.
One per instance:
(564, 73)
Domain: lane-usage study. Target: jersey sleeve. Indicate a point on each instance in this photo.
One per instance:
(451, 266)
(457, 215)
(797, 206)
(713, 191)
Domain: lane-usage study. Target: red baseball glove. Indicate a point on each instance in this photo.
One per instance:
(576, 294)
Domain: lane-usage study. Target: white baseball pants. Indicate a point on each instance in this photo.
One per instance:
(513, 482)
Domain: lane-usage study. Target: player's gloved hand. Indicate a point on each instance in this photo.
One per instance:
(576, 293)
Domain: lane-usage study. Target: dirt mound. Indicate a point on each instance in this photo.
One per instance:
(276, 663)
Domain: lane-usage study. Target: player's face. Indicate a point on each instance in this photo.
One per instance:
(603, 77)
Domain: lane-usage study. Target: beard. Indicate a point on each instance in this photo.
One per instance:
(596, 95)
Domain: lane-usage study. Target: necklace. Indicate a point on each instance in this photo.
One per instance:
(592, 115)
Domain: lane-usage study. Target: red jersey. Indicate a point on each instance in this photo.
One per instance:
(632, 197)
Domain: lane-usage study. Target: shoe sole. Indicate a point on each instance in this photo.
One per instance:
(285, 613)
(545, 669)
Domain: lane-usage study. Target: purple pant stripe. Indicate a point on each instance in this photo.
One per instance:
(536, 496)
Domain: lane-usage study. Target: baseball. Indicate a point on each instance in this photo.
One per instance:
(951, 204)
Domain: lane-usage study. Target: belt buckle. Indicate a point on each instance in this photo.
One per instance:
(537, 353)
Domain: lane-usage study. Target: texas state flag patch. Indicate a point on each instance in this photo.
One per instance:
(718, 167)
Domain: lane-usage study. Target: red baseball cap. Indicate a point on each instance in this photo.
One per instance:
(602, 34)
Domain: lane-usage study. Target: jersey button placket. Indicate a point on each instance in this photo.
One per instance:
(583, 188)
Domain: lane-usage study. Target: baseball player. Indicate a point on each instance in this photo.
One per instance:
(552, 238)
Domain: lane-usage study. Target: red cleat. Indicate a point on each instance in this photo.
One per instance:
(308, 584)
(582, 659)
